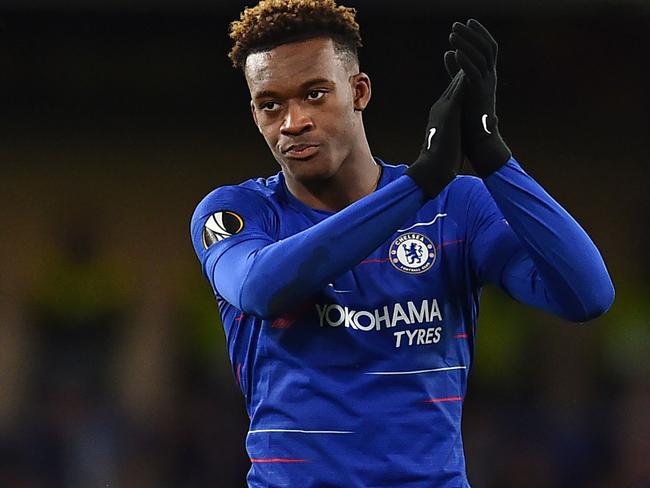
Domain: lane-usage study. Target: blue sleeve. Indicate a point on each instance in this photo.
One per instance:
(264, 276)
(525, 242)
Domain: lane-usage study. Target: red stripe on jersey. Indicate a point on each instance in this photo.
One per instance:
(375, 260)
(446, 399)
(461, 336)
(283, 322)
(278, 460)
(449, 243)
(287, 319)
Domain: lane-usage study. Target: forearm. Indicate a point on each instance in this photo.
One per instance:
(264, 279)
(571, 270)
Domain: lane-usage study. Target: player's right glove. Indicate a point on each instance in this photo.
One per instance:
(476, 54)
(441, 156)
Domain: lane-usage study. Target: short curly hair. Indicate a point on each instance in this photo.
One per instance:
(274, 22)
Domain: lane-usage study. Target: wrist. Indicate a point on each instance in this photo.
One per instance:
(488, 155)
(430, 181)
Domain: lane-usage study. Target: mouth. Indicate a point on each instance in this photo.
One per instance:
(301, 151)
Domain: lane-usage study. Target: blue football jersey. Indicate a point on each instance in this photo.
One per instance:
(361, 383)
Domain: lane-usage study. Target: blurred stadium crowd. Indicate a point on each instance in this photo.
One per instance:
(113, 370)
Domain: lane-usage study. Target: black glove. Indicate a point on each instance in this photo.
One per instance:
(441, 156)
(476, 55)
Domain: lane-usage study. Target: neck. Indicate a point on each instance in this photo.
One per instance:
(357, 176)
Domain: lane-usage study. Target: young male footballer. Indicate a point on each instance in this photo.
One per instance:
(348, 287)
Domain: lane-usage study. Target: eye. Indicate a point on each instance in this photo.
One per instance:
(269, 106)
(315, 94)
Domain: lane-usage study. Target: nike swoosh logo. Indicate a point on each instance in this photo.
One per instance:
(331, 285)
(432, 131)
(484, 121)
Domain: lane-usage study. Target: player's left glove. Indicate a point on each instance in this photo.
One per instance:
(476, 54)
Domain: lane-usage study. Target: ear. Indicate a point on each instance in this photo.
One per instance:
(361, 90)
(254, 112)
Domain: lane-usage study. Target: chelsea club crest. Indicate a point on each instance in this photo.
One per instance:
(412, 253)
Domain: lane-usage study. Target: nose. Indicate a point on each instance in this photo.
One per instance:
(296, 121)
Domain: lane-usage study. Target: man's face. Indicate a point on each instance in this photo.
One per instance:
(303, 98)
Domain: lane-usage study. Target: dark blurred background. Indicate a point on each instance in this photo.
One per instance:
(117, 117)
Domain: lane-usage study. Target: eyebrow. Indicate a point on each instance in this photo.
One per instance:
(272, 94)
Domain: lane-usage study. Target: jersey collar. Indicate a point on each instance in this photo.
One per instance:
(387, 175)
